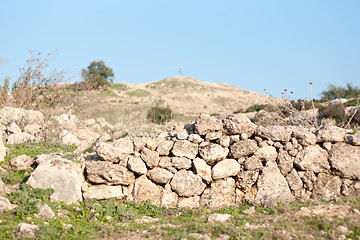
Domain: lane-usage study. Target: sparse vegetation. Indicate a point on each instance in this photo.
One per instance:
(159, 115)
(334, 92)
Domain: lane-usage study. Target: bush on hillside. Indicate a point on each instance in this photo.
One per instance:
(335, 111)
(159, 115)
(96, 76)
(334, 92)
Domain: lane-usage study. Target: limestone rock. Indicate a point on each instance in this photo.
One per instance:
(213, 153)
(45, 212)
(151, 158)
(220, 194)
(168, 199)
(353, 139)
(224, 141)
(246, 179)
(153, 143)
(189, 202)
(187, 184)
(182, 135)
(285, 162)
(218, 218)
(184, 148)
(275, 133)
(345, 160)
(237, 124)
(312, 158)
(20, 116)
(164, 148)
(202, 169)
(14, 128)
(206, 123)
(304, 137)
(139, 143)
(267, 154)
(87, 134)
(33, 129)
(308, 178)
(195, 138)
(137, 165)
(108, 173)
(243, 148)
(26, 230)
(21, 162)
(180, 163)
(2, 188)
(211, 136)
(160, 175)
(68, 138)
(253, 163)
(294, 180)
(327, 187)
(272, 187)
(5, 204)
(144, 189)
(330, 133)
(2, 148)
(20, 138)
(100, 192)
(225, 168)
(64, 176)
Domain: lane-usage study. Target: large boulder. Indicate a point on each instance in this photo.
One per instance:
(187, 184)
(184, 148)
(312, 158)
(220, 194)
(327, 187)
(99, 192)
(243, 148)
(345, 160)
(144, 189)
(238, 124)
(205, 124)
(275, 133)
(225, 168)
(330, 133)
(272, 187)
(108, 173)
(213, 153)
(64, 176)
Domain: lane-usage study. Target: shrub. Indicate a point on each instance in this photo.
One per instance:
(335, 111)
(159, 115)
(33, 89)
(335, 92)
(96, 76)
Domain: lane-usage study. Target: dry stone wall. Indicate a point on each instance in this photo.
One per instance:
(219, 162)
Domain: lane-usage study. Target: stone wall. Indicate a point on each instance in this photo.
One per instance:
(219, 162)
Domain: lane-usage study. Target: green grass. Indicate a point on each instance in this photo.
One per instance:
(32, 150)
(118, 86)
(138, 93)
(108, 92)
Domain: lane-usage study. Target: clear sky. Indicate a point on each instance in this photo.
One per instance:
(252, 44)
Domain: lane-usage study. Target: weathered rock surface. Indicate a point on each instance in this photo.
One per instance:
(330, 133)
(353, 139)
(181, 163)
(304, 137)
(205, 124)
(272, 187)
(26, 230)
(275, 133)
(238, 124)
(267, 154)
(189, 202)
(151, 158)
(218, 218)
(285, 162)
(187, 184)
(164, 148)
(68, 138)
(327, 187)
(252, 163)
(220, 194)
(202, 169)
(45, 212)
(64, 176)
(243, 148)
(20, 138)
(137, 165)
(108, 173)
(21, 162)
(225, 168)
(160, 175)
(345, 159)
(5, 204)
(100, 192)
(312, 158)
(213, 153)
(184, 148)
(144, 189)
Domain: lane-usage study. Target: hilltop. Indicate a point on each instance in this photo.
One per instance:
(127, 104)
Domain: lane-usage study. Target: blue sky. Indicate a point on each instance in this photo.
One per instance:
(257, 44)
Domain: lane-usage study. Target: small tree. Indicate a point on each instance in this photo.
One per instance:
(97, 75)
(335, 92)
